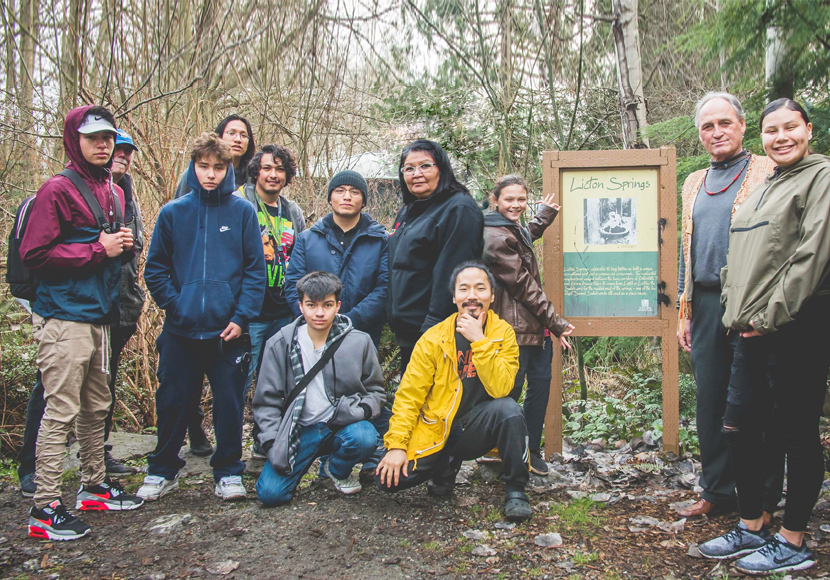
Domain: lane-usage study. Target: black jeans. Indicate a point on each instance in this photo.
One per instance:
(406, 355)
(183, 364)
(497, 423)
(119, 337)
(779, 381)
(712, 356)
(534, 363)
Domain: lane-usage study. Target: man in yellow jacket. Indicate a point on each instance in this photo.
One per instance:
(453, 404)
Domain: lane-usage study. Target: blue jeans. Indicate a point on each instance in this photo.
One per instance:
(260, 332)
(534, 363)
(349, 446)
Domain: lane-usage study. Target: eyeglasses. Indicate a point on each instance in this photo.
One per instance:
(423, 168)
(233, 134)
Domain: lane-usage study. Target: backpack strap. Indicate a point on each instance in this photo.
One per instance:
(250, 195)
(94, 205)
(328, 354)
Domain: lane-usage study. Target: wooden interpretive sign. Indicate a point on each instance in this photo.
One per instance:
(610, 259)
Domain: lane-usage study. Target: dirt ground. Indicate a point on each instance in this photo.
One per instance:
(372, 535)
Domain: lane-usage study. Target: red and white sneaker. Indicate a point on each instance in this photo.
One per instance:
(108, 496)
(53, 522)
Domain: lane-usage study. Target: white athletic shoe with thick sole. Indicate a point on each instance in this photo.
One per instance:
(230, 488)
(156, 487)
(347, 486)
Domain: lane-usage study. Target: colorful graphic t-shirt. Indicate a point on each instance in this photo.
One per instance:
(473, 391)
(278, 242)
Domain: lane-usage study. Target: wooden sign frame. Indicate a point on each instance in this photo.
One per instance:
(664, 324)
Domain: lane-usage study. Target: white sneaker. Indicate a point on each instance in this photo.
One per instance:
(155, 487)
(348, 486)
(230, 488)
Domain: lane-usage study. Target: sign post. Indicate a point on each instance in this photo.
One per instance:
(610, 259)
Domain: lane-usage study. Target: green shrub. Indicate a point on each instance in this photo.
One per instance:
(18, 372)
(639, 410)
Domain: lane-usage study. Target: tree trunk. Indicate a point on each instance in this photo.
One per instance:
(629, 72)
(11, 73)
(28, 23)
(507, 95)
(778, 76)
(70, 56)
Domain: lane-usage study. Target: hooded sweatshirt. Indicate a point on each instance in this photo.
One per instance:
(352, 378)
(205, 266)
(779, 248)
(431, 237)
(77, 281)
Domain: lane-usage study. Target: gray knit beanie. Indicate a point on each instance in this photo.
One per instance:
(352, 178)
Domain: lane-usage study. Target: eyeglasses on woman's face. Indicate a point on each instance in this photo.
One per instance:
(423, 168)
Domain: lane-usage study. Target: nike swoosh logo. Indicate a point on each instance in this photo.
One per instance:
(224, 229)
(782, 560)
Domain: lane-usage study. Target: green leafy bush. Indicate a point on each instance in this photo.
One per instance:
(18, 372)
(640, 409)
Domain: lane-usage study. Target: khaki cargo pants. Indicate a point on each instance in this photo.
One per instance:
(73, 358)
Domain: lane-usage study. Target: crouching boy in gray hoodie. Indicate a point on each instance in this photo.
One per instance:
(319, 385)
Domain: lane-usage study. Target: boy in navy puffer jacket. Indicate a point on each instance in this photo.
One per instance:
(205, 268)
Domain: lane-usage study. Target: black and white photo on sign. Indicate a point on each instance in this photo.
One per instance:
(611, 220)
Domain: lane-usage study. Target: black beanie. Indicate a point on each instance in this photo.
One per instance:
(352, 178)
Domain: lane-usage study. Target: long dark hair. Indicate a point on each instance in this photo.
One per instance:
(784, 103)
(446, 177)
(241, 174)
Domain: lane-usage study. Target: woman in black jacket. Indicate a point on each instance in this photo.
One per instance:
(439, 227)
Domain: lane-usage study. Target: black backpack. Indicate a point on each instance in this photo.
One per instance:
(22, 282)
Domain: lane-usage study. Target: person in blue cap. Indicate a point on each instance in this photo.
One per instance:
(131, 303)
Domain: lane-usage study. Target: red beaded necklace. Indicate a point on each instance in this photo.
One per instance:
(748, 157)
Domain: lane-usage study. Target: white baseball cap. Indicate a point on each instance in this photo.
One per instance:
(94, 124)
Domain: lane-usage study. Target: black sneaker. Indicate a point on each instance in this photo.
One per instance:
(28, 485)
(53, 522)
(257, 452)
(108, 496)
(537, 463)
(202, 449)
(440, 488)
(115, 467)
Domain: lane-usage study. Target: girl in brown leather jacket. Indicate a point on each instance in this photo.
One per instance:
(521, 300)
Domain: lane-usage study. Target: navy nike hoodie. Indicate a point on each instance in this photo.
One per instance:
(206, 266)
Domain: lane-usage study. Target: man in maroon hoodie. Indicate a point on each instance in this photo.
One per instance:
(77, 260)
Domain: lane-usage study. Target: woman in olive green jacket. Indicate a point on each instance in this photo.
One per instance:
(776, 292)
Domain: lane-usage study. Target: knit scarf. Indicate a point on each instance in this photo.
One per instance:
(340, 327)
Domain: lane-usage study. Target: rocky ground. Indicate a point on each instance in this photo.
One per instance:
(599, 514)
